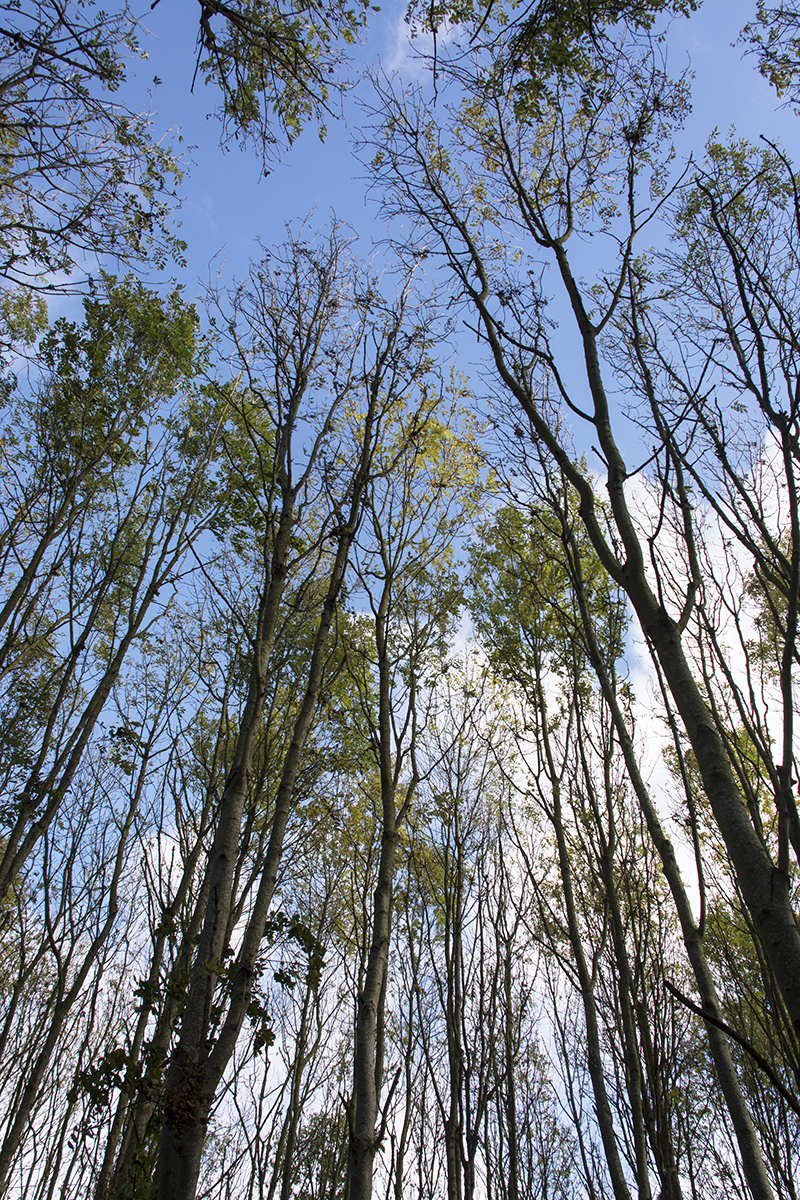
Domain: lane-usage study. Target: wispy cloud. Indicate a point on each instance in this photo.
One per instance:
(411, 56)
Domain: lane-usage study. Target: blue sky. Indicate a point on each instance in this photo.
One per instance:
(228, 204)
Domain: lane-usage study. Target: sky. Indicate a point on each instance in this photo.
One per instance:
(229, 204)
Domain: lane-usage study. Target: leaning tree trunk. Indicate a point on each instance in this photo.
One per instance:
(764, 886)
(752, 1160)
(196, 1069)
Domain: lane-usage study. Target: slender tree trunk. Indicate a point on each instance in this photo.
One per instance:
(454, 1012)
(140, 1118)
(294, 1112)
(764, 886)
(368, 1067)
(197, 1068)
(66, 1000)
(633, 1065)
(367, 1075)
(510, 1066)
(594, 1052)
(167, 539)
(752, 1159)
(189, 1091)
(132, 1116)
(408, 1058)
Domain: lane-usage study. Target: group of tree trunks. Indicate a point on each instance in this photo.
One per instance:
(303, 891)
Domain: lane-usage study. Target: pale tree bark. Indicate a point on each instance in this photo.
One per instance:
(364, 1109)
(519, 586)
(410, 936)
(585, 971)
(464, 959)
(591, 614)
(598, 793)
(535, 564)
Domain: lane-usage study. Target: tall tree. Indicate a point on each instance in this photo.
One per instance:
(545, 181)
(315, 420)
(106, 486)
(425, 484)
(104, 492)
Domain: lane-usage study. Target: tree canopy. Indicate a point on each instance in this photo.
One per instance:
(398, 756)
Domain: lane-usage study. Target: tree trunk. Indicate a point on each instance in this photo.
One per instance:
(367, 1075)
(752, 1160)
(197, 1067)
(594, 1052)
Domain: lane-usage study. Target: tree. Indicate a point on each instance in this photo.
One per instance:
(536, 184)
(331, 376)
(460, 990)
(425, 484)
(106, 486)
(279, 897)
(774, 38)
(530, 619)
(320, 1162)
(80, 173)
(104, 492)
